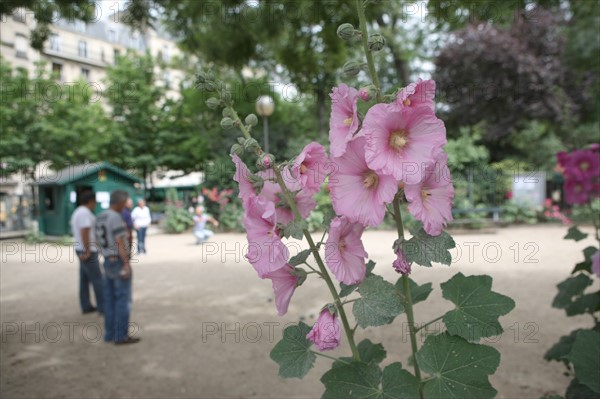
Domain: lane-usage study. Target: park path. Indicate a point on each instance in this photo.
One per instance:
(208, 323)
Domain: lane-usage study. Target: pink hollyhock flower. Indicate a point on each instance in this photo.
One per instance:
(417, 94)
(344, 251)
(582, 164)
(242, 173)
(327, 331)
(401, 264)
(343, 121)
(402, 143)
(357, 191)
(266, 252)
(577, 191)
(272, 192)
(284, 285)
(310, 167)
(596, 263)
(431, 200)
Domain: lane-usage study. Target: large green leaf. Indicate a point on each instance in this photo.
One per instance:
(293, 353)
(379, 304)
(346, 290)
(418, 293)
(575, 234)
(458, 369)
(570, 288)
(577, 390)
(424, 249)
(477, 307)
(369, 352)
(366, 381)
(562, 348)
(585, 356)
(587, 262)
(300, 257)
(587, 303)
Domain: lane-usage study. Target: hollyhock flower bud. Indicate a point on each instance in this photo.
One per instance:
(284, 283)
(226, 123)
(213, 103)
(376, 42)
(358, 192)
(251, 120)
(343, 122)
(237, 149)
(250, 144)
(327, 331)
(364, 93)
(352, 68)
(346, 31)
(401, 264)
(266, 161)
(344, 251)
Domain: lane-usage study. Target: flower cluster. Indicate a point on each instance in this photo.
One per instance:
(397, 148)
(581, 169)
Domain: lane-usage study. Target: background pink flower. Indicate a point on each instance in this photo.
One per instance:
(358, 192)
(401, 143)
(284, 285)
(343, 121)
(266, 251)
(431, 200)
(310, 167)
(417, 94)
(327, 331)
(344, 251)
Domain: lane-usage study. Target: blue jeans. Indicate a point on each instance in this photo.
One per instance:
(141, 237)
(117, 301)
(89, 273)
(202, 235)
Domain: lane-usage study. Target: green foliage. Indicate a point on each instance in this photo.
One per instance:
(34, 237)
(514, 213)
(585, 359)
(177, 219)
(575, 234)
(231, 217)
(379, 304)
(362, 381)
(424, 249)
(300, 258)
(293, 353)
(477, 307)
(368, 351)
(418, 293)
(459, 369)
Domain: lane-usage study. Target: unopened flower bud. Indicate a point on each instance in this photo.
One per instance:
(266, 161)
(346, 31)
(213, 103)
(376, 42)
(241, 140)
(237, 149)
(251, 120)
(250, 144)
(226, 123)
(352, 68)
(364, 93)
(227, 112)
(210, 86)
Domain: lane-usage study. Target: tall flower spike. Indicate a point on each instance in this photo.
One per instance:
(344, 118)
(358, 192)
(402, 143)
(344, 251)
(430, 201)
(266, 252)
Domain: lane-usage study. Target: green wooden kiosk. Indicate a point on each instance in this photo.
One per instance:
(59, 193)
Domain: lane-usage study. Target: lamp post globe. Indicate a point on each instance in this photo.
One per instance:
(265, 106)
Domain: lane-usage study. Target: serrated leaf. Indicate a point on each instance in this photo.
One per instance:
(585, 356)
(295, 229)
(293, 353)
(587, 303)
(575, 234)
(477, 307)
(300, 258)
(587, 263)
(459, 369)
(366, 381)
(418, 293)
(424, 249)
(570, 288)
(562, 348)
(368, 351)
(379, 304)
(346, 290)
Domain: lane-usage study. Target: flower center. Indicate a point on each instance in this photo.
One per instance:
(584, 166)
(342, 245)
(348, 121)
(370, 180)
(425, 194)
(578, 188)
(406, 102)
(303, 168)
(398, 139)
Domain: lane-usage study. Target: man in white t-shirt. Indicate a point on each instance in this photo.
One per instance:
(141, 220)
(83, 227)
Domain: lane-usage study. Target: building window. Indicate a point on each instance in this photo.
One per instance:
(85, 74)
(112, 35)
(166, 55)
(82, 49)
(54, 42)
(57, 70)
(20, 46)
(117, 54)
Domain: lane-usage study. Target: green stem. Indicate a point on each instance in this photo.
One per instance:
(408, 305)
(321, 264)
(365, 40)
(329, 357)
(428, 323)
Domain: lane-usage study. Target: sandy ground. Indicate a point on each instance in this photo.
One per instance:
(208, 323)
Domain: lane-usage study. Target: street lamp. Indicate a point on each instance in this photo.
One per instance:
(265, 107)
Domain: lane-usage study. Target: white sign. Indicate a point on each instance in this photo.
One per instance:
(103, 198)
(73, 197)
(529, 189)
